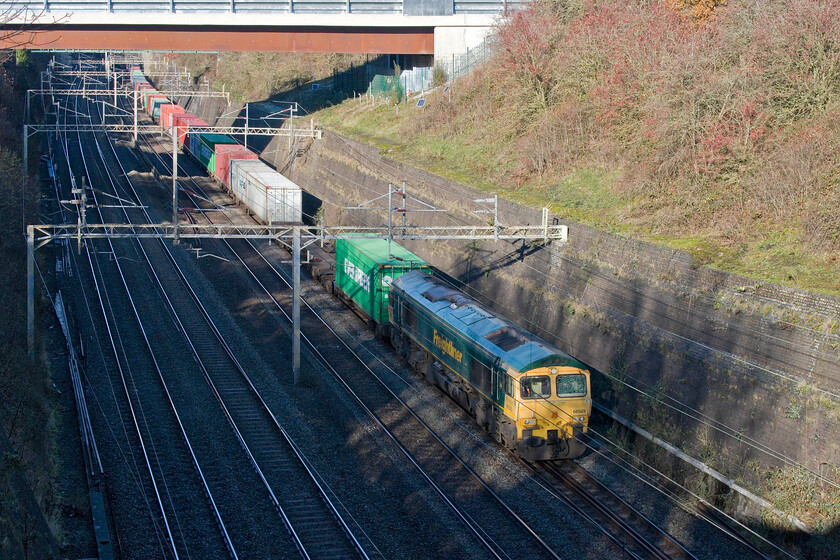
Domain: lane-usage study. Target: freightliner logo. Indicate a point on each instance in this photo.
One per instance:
(447, 346)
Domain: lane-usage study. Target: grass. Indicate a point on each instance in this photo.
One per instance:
(796, 491)
(583, 195)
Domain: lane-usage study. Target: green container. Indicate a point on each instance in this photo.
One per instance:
(364, 271)
(206, 149)
(156, 102)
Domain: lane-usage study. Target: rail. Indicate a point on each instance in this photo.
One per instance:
(275, 457)
(640, 536)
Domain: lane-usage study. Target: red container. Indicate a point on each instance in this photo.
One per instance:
(149, 98)
(166, 112)
(140, 86)
(148, 95)
(183, 121)
(225, 153)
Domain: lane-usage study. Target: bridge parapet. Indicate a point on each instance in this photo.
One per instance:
(406, 8)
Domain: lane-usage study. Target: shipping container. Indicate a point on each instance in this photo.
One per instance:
(166, 112)
(182, 121)
(224, 154)
(137, 77)
(365, 268)
(206, 148)
(192, 143)
(146, 92)
(148, 96)
(156, 103)
(140, 86)
(268, 195)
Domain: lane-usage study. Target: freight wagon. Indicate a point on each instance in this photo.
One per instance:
(182, 122)
(268, 195)
(364, 271)
(166, 112)
(528, 394)
(203, 147)
(148, 96)
(155, 104)
(225, 153)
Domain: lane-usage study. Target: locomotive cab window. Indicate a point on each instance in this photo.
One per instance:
(509, 385)
(535, 387)
(573, 385)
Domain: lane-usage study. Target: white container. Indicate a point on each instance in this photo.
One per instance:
(268, 195)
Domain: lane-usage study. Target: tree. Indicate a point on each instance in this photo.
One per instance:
(19, 26)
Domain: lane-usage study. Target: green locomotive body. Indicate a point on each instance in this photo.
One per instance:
(530, 395)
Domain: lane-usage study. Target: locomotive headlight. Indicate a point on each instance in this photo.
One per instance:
(530, 422)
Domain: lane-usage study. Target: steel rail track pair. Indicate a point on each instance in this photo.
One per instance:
(135, 407)
(301, 546)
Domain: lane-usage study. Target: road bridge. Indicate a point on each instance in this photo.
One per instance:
(438, 27)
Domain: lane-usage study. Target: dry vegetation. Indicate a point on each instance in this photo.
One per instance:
(26, 408)
(704, 125)
(255, 76)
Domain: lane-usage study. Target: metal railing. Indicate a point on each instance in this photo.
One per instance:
(413, 7)
(460, 64)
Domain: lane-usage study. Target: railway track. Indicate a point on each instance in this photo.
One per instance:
(433, 459)
(308, 515)
(308, 512)
(260, 434)
(136, 370)
(640, 537)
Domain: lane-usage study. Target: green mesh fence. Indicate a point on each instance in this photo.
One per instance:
(390, 87)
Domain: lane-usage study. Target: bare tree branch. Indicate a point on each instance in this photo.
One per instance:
(20, 24)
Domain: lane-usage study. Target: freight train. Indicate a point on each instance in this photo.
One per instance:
(529, 395)
(267, 195)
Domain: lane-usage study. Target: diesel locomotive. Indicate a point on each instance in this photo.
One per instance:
(531, 396)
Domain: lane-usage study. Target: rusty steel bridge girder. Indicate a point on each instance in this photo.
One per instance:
(406, 40)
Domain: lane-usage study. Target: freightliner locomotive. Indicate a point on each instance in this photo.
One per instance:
(532, 397)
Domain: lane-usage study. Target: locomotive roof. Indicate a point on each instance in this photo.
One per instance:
(516, 347)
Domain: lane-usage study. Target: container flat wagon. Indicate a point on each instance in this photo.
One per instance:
(166, 112)
(182, 123)
(155, 105)
(203, 148)
(364, 271)
(268, 195)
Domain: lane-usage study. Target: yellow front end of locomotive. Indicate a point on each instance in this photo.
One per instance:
(553, 405)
